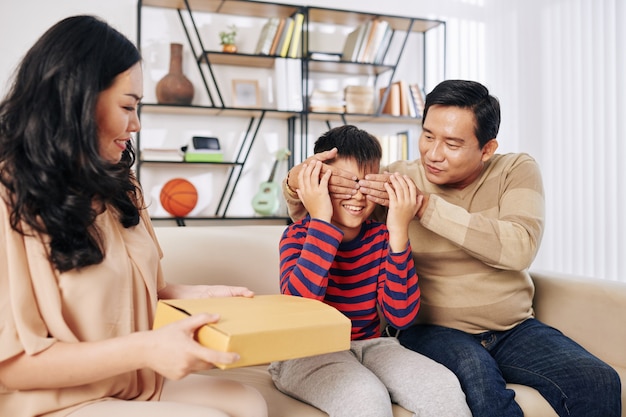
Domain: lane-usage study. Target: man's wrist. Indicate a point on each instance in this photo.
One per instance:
(290, 191)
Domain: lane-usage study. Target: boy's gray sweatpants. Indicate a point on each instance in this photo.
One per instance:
(366, 379)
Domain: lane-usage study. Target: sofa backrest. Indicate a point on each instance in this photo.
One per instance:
(231, 255)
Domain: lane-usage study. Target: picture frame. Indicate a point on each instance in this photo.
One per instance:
(246, 94)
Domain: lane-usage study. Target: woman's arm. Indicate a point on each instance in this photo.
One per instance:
(170, 351)
(181, 291)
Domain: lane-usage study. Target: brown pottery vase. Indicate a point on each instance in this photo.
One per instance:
(175, 87)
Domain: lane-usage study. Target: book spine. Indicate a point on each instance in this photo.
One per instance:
(283, 47)
(294, 45)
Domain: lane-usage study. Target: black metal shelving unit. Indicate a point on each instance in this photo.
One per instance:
(206, 61)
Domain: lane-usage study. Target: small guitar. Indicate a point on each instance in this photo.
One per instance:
(267, 200)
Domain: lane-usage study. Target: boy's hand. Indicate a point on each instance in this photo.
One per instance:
(404, 203)
(342, 184)
(313, 190)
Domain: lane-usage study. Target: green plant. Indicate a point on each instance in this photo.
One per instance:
(227, 37)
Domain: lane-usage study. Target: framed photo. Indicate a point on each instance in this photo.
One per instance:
(246, 94)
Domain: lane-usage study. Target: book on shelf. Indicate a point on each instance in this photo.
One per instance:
(294, 44)
(326, 101)
(162, 154)
(417, 96)
(353, 43)
(406, 102)
(293, 84)
(281, 86)
(412, 146)
(368, 42)
(325, 56)
(277, 36)
(375, 38)
(384, 46)
(396, 147)
(392, 104)
(403, 99)
(359, 99)
(285, 39)
(288, 84)
(403, 144)
(366, 39)
(266, 38)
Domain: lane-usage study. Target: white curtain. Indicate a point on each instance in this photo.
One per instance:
(559, 70)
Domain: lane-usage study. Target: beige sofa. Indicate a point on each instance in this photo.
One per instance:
(593, 312)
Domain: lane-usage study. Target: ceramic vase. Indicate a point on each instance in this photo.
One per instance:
(175, 87)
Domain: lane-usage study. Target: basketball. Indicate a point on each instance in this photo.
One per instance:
(178, 197)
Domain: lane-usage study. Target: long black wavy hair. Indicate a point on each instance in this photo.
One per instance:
(49, 159)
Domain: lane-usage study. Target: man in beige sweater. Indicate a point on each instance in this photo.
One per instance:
(473, 241)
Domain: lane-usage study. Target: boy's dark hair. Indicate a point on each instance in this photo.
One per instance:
(351, 143)
(473, 96)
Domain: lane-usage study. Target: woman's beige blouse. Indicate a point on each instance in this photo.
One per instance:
(39, 306)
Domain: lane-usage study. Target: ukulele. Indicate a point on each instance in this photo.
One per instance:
(267, 200)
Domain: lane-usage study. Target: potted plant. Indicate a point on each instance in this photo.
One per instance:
(227, 39)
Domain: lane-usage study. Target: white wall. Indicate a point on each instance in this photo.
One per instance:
(501, 43)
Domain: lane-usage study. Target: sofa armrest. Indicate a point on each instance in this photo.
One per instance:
(590, 311)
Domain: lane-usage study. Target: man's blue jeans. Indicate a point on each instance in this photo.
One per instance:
(572, 380)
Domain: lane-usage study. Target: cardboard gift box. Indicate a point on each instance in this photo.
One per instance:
(264, 328)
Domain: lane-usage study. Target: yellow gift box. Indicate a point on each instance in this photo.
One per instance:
(263, 328)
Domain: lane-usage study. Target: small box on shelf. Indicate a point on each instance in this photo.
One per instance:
(204, 149)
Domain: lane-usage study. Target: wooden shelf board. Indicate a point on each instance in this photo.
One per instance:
(354, 18)
(230, 7)
(154, 108)
(240, 60)
(155, 162)
(348, 68)
(363, 118)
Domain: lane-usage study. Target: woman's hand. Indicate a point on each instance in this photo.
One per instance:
(178, 291)
(173, 352)
(341, 184)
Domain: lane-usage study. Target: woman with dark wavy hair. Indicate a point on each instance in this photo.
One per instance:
(80, 271)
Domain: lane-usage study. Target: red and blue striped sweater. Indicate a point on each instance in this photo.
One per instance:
(355, 277)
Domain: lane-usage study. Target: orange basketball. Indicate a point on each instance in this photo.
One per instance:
(178, 197)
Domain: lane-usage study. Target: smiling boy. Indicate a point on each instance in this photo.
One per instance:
(338, 255)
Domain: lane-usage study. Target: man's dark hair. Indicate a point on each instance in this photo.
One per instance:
(473, 96)
(351, 143)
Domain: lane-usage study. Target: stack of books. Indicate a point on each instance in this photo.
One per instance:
(403, 99)
(281, 37)
(398, 146)
(326, 101)
(359, 99)
(368, 43)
